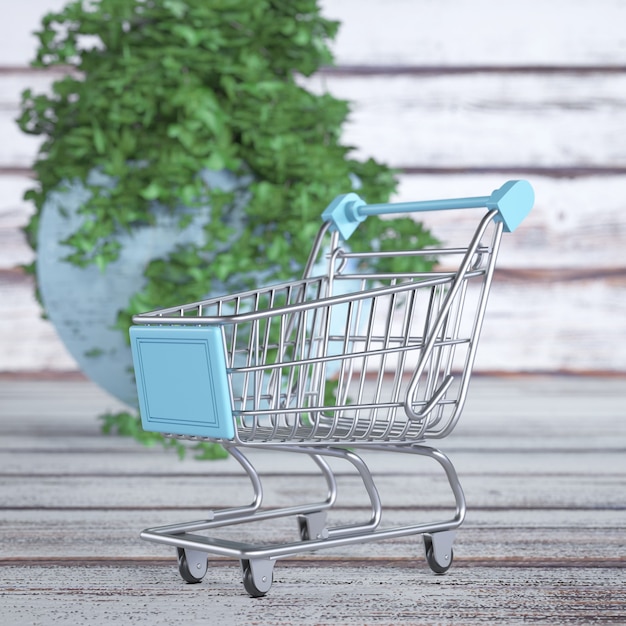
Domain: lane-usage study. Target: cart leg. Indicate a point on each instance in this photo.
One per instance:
(439, 553)
(313, 526)
(368, 483)
(452, 476)
(257, 576)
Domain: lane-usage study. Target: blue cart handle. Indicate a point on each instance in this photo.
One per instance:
(513, 201)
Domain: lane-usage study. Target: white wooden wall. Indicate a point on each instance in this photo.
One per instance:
(460, 95)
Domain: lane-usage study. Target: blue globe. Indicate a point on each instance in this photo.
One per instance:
(83, 303)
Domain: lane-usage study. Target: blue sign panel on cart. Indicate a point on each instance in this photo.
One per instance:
(181, 380)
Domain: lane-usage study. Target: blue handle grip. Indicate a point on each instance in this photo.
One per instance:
(513, 201)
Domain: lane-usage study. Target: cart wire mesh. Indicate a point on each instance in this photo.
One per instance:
(349, 355)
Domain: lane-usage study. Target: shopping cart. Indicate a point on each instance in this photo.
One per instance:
(348, 358)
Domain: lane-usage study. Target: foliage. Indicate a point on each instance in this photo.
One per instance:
(157, 91)
(129, 425)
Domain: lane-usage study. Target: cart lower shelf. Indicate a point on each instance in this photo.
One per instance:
(258, 560)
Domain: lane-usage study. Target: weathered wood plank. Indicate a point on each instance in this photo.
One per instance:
(502, 495)
(564, 326)
(530, 325)
(483, 119)
(576, 223)
(525, 417)
(535, 534)
(398, 593)
(483, 32)
(521, 407)
(17, 28)
(430, 490)
(14, 249)
(534, 424)
(419, 32)
(70, 403)
(103, 458)
(27, 340)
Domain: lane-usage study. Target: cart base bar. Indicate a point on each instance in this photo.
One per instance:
(258, 560)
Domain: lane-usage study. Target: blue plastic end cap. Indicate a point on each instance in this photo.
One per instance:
(343, 213)
(513, 200)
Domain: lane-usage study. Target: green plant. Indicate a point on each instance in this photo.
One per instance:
(158, 91)
(127, 424)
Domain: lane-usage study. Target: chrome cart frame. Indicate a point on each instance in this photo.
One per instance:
(342, 360)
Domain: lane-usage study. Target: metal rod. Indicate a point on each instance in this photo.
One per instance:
(424, 205)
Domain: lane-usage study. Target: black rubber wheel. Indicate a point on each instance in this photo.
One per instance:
(430, 558)
(249, 584)
(183, 568)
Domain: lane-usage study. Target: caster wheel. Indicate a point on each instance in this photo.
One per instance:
(190, 574)
(255, 588)
(435, 565)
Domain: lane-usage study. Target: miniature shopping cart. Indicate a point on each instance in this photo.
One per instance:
(349, 358)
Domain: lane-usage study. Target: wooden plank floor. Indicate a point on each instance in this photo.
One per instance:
(542, 461)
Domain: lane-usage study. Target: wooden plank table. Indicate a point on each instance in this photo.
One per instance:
(542, 461)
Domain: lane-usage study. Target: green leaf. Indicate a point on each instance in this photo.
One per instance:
(189, 34)
(206, 451)
(178, 8)
(99, 139)
(215, 161)
(152, 191)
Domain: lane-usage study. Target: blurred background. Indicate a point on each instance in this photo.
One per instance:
(459, 96)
